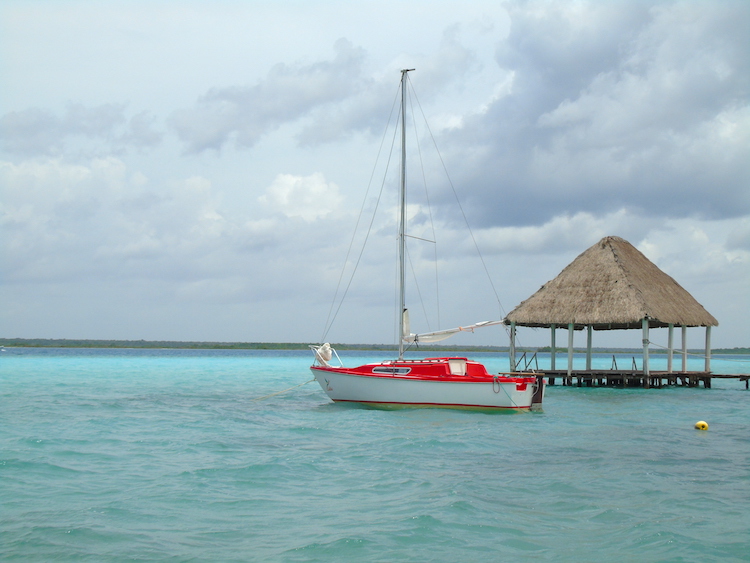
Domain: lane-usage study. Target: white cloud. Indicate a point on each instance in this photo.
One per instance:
(739, 236)
(245, 114)
(107, 223)
(614, 105)
(88, 130)
(308, 197)
(563, 233)
(65, 220)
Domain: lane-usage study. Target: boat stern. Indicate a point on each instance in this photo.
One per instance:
(538, 398)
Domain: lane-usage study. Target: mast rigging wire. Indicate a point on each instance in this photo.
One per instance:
(332, 315)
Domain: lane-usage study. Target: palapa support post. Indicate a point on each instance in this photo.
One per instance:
(670, 348)
(708, 350)
(684, 348)
(512, 354)
(645, 352)
(570, 349)
(589, 331)
(553, 345)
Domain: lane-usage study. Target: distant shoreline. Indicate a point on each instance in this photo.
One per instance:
(179, 345)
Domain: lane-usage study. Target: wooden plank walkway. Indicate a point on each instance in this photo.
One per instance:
(630, 378)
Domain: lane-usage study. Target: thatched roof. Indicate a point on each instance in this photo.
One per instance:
(611, 286)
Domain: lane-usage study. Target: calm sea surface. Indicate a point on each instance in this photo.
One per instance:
(169, 455)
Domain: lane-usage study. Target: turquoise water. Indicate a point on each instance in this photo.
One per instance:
(167, 455)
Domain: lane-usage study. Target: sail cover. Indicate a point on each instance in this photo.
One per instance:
(439, 335)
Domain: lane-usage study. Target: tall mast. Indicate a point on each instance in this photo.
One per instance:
(402, 221)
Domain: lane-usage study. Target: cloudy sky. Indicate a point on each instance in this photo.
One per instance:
(195, 170)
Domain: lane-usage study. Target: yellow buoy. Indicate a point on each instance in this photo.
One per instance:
(701, 425)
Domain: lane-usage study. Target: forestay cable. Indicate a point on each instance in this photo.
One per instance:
(331, 315)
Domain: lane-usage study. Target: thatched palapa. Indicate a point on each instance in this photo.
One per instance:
(611, 286)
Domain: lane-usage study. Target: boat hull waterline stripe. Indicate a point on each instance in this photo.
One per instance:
(432, 405)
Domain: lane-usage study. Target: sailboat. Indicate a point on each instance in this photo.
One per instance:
(443, 382)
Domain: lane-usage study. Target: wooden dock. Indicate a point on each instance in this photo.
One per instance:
(629, 378)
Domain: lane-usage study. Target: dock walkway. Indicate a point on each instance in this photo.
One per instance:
(630, 378)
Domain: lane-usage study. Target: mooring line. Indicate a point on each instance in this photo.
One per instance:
(282, 391)
(496, 379)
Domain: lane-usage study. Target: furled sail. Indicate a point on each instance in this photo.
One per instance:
(439, 335)
(323, 353)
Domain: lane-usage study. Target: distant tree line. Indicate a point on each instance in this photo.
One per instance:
(68, 343)
(169, 344)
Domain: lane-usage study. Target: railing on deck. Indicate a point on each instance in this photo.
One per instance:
(527, 362)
